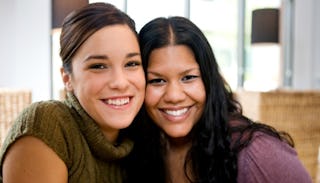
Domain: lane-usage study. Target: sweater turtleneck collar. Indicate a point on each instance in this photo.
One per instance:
(97, 142)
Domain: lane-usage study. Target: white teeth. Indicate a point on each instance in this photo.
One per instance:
(118, 102)
(176, 112)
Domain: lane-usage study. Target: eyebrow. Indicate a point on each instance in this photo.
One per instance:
(99, 57)
(184, 72)
(105, 57)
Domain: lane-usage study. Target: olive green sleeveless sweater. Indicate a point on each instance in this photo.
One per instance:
(74, 136)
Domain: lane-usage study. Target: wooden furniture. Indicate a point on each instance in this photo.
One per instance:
(12, 102)
(296, 112)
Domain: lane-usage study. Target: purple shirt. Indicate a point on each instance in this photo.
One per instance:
(269, 160)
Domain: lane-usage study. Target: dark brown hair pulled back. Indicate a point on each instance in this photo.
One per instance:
(80, 24)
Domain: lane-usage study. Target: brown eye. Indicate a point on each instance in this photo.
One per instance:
(133, 64)
(97, 66)
(156, 81)
(189, 77)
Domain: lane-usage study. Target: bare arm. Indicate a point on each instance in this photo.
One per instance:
(30, 160)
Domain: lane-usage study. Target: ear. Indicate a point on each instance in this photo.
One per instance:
(66, 78)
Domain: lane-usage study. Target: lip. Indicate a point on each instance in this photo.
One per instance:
(175, 114)
(118, 102)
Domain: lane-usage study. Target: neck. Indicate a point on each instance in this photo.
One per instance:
(111, 136)
(175, 158)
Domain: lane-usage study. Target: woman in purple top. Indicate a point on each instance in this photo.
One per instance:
(195, 131)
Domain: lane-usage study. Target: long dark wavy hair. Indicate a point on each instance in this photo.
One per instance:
(213, 155)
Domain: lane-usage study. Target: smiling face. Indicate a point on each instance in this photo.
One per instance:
(175, 94)
(108, 79)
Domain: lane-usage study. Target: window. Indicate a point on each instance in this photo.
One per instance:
(142, 11)
(218, 20)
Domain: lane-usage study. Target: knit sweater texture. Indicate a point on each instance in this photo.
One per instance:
(75, 137)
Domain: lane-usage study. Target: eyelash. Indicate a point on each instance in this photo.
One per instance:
(160, 81)
(156, 81)
(133, 64)
(103, 66)
(189, 77)
(97, 66)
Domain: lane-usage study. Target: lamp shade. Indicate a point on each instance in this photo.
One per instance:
(265, 26)
(61, 8)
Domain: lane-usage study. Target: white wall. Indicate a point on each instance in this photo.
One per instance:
(25, 46)
(7, 60)
(306, 68)
(316, 45)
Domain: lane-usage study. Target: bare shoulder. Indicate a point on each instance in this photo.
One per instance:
(30, 160)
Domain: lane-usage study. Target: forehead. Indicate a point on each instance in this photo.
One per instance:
(113, 41)
(113, 35)
(171, 56)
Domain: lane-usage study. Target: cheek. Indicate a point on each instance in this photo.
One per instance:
(198, 93)
(153, 96)
(138, 79)
(87, 84)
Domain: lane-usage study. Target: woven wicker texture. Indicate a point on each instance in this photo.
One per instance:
(296, 112)
(12, 101)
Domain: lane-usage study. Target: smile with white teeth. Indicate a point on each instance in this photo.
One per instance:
(118, 102)
(176, 112)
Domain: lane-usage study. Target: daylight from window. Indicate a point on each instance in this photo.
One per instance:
(218, 19)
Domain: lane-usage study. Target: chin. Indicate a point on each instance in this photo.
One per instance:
(176, 134)
(120, 126)
(124, 125)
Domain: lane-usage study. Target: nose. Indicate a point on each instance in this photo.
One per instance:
(118, 80)
(174, 93)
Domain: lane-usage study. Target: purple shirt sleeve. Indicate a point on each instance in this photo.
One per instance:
(269, 160)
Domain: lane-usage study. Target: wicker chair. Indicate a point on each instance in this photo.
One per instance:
(12, 101)
(296, 112)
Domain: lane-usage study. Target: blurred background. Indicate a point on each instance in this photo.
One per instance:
(29, 43)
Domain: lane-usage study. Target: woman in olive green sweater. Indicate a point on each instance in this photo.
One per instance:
(81, 139)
